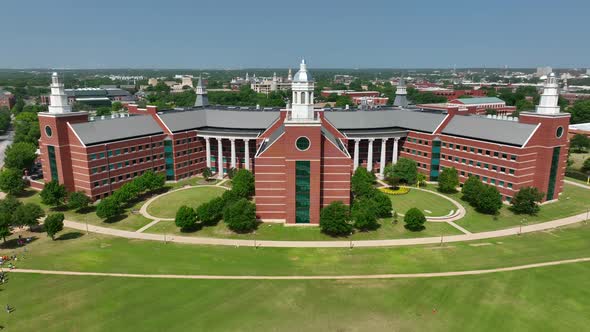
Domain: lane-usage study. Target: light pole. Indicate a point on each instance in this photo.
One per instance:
(521, 222)
(254, 235)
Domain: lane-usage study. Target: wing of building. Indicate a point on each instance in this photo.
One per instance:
(302, 157)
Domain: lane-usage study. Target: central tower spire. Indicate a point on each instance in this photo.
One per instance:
(550, 97)
(302, 87)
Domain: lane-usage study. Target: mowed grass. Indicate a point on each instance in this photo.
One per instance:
(280, 232)
(545, 299)
(167, 205)
(573, 200)
(578, 159)
(80, 252)
(430, 204)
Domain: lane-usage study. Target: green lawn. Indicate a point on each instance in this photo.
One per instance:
(95, 252)
(279, 232)
(167, 205)
(424, 201)
(545, 299)
(578, 159)
(574, 200)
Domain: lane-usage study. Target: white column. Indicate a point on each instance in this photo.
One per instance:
(247, 153)
(208, 151)
(394, 156)
(382, 161)
(233, 152)
(370, 155)
(356, 153)
(219, 159)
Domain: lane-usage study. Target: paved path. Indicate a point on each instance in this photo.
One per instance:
(576, 184)
(459, 227)
(324, 277)
(328, 244)
(148, 226)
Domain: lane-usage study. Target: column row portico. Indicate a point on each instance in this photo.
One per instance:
(233, 162)
(382, 161)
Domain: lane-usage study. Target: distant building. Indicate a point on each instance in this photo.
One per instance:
(267, 85)
(543, 71)
(370, 101)
(451, 94)
(153, 81)
(343, 79)
(6, 99)
(473, 106)
(94, 96)
(351, 93)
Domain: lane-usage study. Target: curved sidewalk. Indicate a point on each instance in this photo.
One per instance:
(324, 277)
(327, 244)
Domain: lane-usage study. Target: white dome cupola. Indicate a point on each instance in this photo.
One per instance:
(548, 104)
(58, 100)
(302, 87)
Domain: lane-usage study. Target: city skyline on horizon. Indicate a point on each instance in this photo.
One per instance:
(263, 34)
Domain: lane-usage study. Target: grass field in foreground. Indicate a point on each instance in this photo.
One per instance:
(167, 205)
(544, 299)
(424, 201)
(108, 254)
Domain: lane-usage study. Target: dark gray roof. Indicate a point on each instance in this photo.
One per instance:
(192, 119)
(415, 120)
(271, 139)
(229, 132)
(328, 135)
(492, 130)
(104, 131)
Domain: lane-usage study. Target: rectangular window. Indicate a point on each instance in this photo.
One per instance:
(302, 186)
(110, 153)
(513, 157)
(93, 156)
(511, 171)
(101, 155)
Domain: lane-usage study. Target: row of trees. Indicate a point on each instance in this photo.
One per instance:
(112, 206)
(234, 207)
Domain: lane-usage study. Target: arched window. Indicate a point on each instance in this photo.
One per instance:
(303, 97)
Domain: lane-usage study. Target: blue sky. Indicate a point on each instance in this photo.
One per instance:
(264, 34)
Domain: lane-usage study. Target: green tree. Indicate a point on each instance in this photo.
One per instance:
(186, 218)
(103, 111)
(116, 106)
(406, 170)
(580, 111)
(335, 219)
(448, 180)
(54, 223)
(524, 105)
(382, 204)
(210, 213)
(471, 188)
(414, 220)
(362, 182)
(78, 201)
(11, 181)
(489, 200)
(20, 156)
(53, 193)
(240, 216)
(26, 128)
(364, 215)
(27, 215)
(207, 174)
(342, 101)
(526, 201)
(127, 192)
(579, 142)
(586, 165)
(243, 183)
(4, 119)
(108, 208)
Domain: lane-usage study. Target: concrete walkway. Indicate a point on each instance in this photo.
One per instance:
(328, 244)
(576, 184)
(335, 277)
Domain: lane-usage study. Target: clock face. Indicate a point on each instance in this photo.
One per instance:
(302, 143)
(48, 131)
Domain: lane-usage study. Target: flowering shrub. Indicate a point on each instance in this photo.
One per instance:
(398, 191)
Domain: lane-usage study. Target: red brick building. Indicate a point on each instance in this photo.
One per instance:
(7, 99)
(302, 157)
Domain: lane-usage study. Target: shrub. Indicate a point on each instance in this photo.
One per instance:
(78, 200)
(525, 201)
(27, 214)
(243, 183)
(185, 218)
(448, 180)
(406, 170)
(240, 216)
(207, 174)
(11, 181)
(53, 193)
(108, 208)
(414, 220)
(231, 172)
(572, 173)
(586, 165)
(364, 214)
(229, 197)
(54, 223)
(398, 191)
(211, 212)
(381, 204)
(335, 219)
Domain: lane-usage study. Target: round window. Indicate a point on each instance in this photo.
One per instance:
(302, 143)
(559, 132)
(48, 131)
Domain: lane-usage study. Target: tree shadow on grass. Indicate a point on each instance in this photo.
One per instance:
(194, 228)
(26, 193)
(415, 229)
(13, 243)
(87, 210)
(116, 218)
(69, 236)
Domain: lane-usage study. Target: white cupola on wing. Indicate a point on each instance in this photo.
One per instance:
(58, 100)
(302, 87)
(548, 104)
